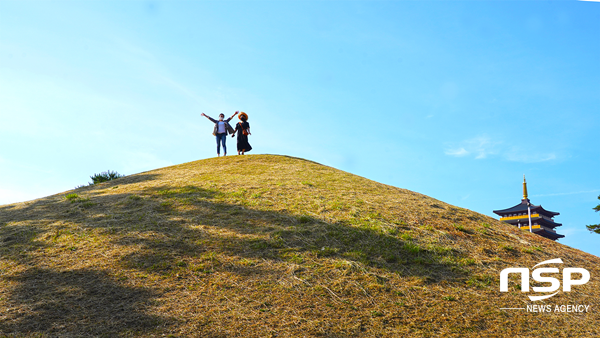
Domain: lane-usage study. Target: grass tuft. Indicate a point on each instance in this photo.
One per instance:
(71, 196)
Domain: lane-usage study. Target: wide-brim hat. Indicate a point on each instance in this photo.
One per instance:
(244, 115)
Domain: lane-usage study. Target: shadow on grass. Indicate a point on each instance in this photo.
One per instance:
(18, 241)
(77, 303)
(280, 236)
(176, 213)
(185, 223)
(171, 212)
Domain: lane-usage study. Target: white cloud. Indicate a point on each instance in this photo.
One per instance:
(483, 146)
(458, 152)
(572, 231)
(480, 146)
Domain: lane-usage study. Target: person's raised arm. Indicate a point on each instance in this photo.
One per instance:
(210, 118)
(232, 116)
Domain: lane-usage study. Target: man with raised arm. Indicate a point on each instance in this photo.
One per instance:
(222, 128)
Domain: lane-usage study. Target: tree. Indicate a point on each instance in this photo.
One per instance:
(595, 227)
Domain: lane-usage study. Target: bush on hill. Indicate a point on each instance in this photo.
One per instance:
(105, 176)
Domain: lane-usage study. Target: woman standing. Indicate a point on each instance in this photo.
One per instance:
(222, 127)
(242, 139)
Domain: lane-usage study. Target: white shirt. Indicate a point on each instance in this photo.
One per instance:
(221, 128)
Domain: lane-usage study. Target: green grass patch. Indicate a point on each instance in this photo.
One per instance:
(412, 248)
(480, 281)
(72, 197)
(406, 236)
(462, 228)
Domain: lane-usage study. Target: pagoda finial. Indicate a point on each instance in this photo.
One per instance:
(524, 188)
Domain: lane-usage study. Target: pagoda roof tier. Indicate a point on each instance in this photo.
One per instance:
(540, 220)
(545, 233)
(522, 207)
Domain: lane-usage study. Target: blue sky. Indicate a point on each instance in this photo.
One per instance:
(452, 99)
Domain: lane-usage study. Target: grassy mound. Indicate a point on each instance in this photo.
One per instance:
(266, 245)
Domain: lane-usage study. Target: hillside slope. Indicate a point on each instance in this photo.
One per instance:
(262, 245)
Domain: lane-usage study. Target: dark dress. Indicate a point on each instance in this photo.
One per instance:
(242, 140)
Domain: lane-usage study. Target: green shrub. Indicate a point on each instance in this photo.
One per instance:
(72, 196)
(105, 176)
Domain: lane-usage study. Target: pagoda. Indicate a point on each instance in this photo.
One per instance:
(531, 217)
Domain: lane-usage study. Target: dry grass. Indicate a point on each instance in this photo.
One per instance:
(260, 246)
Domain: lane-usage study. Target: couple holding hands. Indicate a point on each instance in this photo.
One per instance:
(222, 128)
